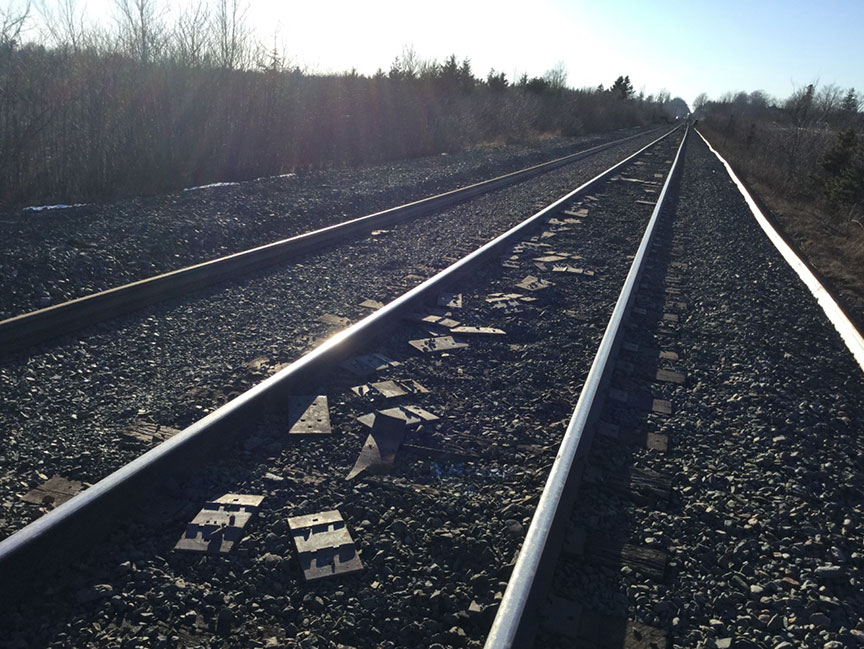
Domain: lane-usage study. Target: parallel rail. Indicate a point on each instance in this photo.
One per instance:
(73, 526)
(38, 326)
(529, 580)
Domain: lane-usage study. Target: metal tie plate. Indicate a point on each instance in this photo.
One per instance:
(219, 525)
(334, 320)
(380, 448)
(412, 415)
(437, 344)
(389, 389)
(369, 364)
(309, 415)
(324, 545)
(483, 331)
(450, 300)
(550, 258)
(531, 283)
(53, 492)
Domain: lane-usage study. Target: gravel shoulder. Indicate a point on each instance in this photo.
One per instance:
(764, 529)
(51, 256)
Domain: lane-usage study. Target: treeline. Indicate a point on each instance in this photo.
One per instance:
(87, 114)
(809, 146)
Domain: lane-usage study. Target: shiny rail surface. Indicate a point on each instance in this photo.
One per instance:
(506, 628)
(69, 529)
(38, 326)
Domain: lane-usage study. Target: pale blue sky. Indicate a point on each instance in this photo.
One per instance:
(687, 47)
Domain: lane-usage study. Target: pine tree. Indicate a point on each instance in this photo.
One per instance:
(622, 88)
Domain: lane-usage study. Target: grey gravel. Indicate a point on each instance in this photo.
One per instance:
(56, 255)
(67, 403)
(764, 528)
(430, 534)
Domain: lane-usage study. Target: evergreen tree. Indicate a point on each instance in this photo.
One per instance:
(622, 88)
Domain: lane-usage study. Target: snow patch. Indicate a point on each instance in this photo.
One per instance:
(189, 189)
(290, 175)
(229, 184)
(61, 206)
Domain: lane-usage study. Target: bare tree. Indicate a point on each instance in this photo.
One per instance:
(556, 76)
(190, 40)
(12, 22)
(63, 20)
(140, 25)
(828, 101)
(408, 65)
(231, 34)
(699, 102)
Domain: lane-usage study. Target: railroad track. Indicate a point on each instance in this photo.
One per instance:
(62, 319)
(71, 402)
(438, 508)
(180, 447)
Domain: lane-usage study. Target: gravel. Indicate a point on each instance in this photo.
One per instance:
(764, 528)
(436, 536)
(68, 402)
(55, 255)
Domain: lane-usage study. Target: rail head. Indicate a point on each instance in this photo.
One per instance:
(506, 626)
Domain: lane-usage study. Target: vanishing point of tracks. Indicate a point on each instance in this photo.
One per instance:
(440, 527)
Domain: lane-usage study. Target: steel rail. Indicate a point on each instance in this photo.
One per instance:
(506, 628)
(41, 325)
(77, 522)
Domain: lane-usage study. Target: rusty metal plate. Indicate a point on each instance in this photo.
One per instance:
(259, 364)
(437, 344)
(550, 258)
(498, 297)
(536, 246)
(508, 308)
(233, 502)
(219, 525)
(309, 415)
(389, 389)
(144, 431)
(482, 331)
(324, 545)
(412, 415)
(334, 320)
(380, 448)
(53, 492)
(531, 283)
(440, 320)
(369, 364)
(450, 300)
(572, 270)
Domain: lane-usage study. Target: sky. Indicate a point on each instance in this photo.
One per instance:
(687, 48)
